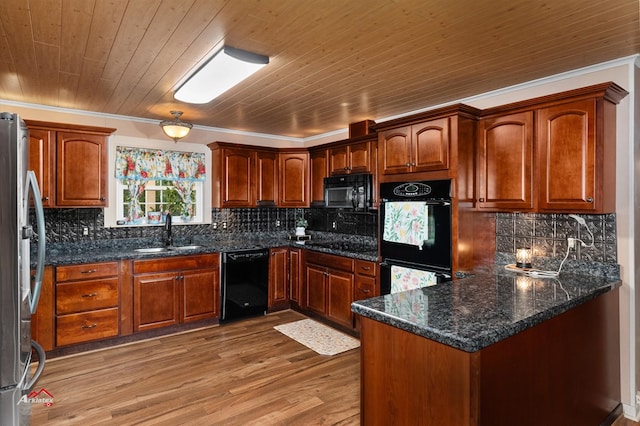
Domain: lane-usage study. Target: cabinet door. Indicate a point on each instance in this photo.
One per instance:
(41, 161)
(293, 179)
(278, 277)
(199, 295)
(42, 322)
(237, 178)
(430, 146)
(394, 151)
(505, 162)
(295, 259)
(319, 165)
(316, 299)
(81, 170)
(340, 292)
(339, 160)
(155, 301)
(567, 152)
(267, 173)
(360, 157)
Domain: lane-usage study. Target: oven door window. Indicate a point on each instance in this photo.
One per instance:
(403, 278)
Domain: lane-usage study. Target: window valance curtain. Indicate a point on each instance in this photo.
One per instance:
(154, 164)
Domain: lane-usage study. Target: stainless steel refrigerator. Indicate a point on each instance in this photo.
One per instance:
(18, 296)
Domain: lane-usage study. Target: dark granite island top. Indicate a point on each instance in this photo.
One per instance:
(478, 311)
(485, 349)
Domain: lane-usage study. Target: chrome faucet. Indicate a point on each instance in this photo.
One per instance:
(167, 228)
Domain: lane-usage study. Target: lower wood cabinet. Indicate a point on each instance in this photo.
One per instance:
(295, 279)
(86, 302)
(43, 320)
(328, 287)
(175, 290)
(278, 297)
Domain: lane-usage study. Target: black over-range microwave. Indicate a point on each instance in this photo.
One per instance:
(352, 192)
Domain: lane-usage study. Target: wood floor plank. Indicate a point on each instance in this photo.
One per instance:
(241, 373)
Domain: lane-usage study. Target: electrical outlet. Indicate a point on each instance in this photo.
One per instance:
(215, 225)
(85, 231)
(224, 225)
(571, 242)
(334, 225)
(277, 223)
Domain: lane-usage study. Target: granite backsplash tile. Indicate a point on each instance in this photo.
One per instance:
(69, 225)
(546, 235)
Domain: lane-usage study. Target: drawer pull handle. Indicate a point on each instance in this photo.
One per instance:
(89, 295)
(89, 271)
(365, 291)
(86, 327)
(366, 268)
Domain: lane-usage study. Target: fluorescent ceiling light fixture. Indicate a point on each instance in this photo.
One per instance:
(228, 67)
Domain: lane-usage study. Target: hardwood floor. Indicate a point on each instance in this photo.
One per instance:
(241, 373)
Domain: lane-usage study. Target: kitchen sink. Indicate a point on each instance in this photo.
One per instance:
(192, 247)
(151, 250)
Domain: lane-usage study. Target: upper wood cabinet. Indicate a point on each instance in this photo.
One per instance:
(42, 162)
(550, 154)
(233, 176)
(267, 174)
(576, 164)
(417, 148)
(319, 169)
(249, 176)
(294, 178)
(351, 158)
(70, 163)
(505, 162)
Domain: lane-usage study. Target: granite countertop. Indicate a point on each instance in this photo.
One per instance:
(110, 250)
(492, 305)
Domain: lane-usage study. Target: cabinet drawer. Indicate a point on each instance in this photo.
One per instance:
(86, 271)
(181, 263)
(365, 288)
(86, 295)
(76, 328)
(364, 267)
(330, 261)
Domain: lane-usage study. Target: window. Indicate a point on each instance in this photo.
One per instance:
(152, 183)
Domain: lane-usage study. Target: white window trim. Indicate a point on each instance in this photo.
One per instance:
(110, 212)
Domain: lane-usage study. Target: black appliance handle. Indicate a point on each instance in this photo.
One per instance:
(241, 257)
(427, 202)
(385, 264)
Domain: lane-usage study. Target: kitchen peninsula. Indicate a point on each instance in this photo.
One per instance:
(493, 349)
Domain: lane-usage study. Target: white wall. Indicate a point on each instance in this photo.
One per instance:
(624, 72)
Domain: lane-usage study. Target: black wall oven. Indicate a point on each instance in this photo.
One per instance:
(415, 234)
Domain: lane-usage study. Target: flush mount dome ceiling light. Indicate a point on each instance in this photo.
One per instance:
(176, 129)
(228, 67)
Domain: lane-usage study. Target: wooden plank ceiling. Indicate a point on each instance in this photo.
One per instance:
(333, 62)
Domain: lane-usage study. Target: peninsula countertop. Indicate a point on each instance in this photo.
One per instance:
(491, 305)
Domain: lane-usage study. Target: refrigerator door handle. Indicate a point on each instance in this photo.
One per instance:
(41, 360)
(37, 201)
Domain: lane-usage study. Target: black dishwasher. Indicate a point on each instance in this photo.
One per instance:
(245, 284)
